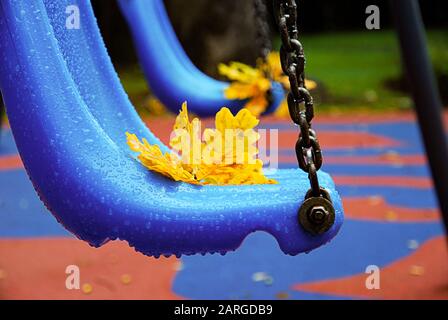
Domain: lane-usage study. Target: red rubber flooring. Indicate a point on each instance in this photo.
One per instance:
(392, 221)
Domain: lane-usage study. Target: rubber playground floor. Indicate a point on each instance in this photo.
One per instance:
(392, 222)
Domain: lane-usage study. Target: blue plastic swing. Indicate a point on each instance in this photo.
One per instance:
(68, 113)
(173, 78)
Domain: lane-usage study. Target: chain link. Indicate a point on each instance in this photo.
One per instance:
(292, 57)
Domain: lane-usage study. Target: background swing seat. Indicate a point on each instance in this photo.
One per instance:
(68, 113)
(172, 76)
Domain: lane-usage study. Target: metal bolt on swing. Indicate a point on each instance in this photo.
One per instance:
(316, 214)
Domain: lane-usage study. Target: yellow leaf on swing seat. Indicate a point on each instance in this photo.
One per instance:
(222, 159)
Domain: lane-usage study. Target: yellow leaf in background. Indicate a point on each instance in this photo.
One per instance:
(241, 91)
(254, 84)
(248, 83)
(274, 65)
(282, 111)
(154, 106)
(257, 105)
(273, 62)
(240, 72)
(310, 84)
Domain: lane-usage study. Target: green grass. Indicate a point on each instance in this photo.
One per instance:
(136, 87)
(351, 69)
(133, 81)
(354, 67)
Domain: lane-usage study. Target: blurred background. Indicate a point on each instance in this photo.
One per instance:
(354, 67)
(372, 148)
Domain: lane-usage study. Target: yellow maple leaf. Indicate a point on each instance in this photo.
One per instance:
(152, 157)
(254, 84)
(226, 156)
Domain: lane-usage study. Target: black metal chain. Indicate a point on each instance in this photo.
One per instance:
(319, 215)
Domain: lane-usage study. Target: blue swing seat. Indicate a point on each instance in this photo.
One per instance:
(68, 113)
(173, 78)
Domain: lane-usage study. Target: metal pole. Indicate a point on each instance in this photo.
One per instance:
(426, 97)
